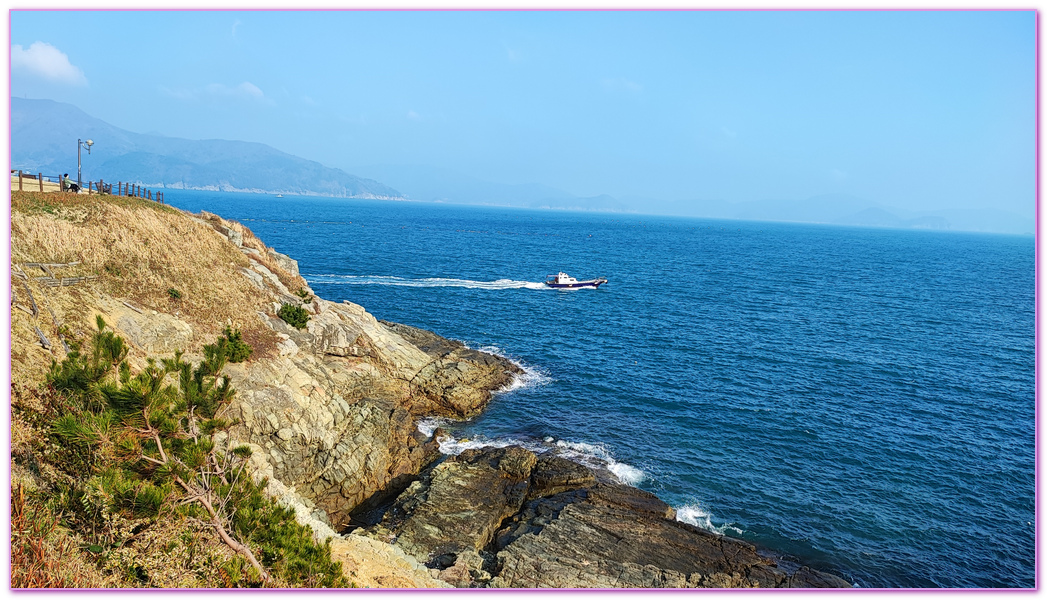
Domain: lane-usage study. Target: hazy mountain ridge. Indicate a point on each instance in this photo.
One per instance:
(843, 209)
(43, 134)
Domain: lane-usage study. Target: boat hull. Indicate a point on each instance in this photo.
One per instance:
(578, 284)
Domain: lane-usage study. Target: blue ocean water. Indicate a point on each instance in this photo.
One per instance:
(860, 399)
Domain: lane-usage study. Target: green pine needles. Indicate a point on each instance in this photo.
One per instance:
(139, 448)
(293, 315)
(236, 349)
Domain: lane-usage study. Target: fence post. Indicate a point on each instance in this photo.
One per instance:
(19, 180)
(40, 180)
(100, 186)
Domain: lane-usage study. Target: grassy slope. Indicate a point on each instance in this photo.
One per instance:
(137, 250)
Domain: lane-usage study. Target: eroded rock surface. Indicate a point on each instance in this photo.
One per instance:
(502, 517)
(457, 381)
(461, 505)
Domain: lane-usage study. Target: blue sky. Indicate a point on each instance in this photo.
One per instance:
(921, 110)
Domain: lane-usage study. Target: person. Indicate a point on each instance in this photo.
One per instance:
(68, 185)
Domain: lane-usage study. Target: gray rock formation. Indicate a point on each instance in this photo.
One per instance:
(457, 382)
(502, 517)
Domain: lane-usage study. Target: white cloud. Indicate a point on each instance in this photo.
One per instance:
(728, 132)
(309, 101)
(249, 89)
(44, 60)
(236, 24)
(413, 115)
(622, 84)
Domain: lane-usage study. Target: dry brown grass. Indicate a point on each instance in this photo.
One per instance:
(139, 250)
(43, 556)
(250, 240)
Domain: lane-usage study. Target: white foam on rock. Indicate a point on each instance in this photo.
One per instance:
(695, 514)
(597, 455)
(590, 455)
(531, 378)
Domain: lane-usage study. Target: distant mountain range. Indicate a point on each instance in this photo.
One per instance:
(843, 209)
(434, 184)
(44, 134)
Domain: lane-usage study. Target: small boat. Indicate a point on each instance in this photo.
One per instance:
(279, 195)
(563, 280)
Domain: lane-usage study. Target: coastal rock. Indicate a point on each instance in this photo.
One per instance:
(457, 381)
(616, 536)
(283, 261)
(151, 331)
(502, 517)
(461, 504)
(553, 474)
(335, 412)
(331, 432)
(370, 563)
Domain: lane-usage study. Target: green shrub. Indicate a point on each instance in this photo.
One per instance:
(174, 294)
(295, 316)
(138, 450)
(236, 349)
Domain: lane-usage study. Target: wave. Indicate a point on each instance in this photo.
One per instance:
(591, 455)
(596, 455)
(531, 378)
(500, 284)
(695, 514)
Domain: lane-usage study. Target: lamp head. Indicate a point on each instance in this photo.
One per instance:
(90, 142)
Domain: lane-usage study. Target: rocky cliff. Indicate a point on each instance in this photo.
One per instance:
(331, 411)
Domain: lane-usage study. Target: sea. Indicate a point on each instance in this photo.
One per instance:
(858, 400)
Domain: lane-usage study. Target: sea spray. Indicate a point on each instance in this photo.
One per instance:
(597, 455)
(695, 514)
(594, 456)
(532, 377)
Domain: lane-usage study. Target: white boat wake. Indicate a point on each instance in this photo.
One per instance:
(501, 284)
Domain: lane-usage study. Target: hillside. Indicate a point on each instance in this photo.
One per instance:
(44, 134)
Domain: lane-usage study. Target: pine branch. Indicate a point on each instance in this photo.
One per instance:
(202, 498)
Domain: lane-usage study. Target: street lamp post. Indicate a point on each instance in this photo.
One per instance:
(81, 144)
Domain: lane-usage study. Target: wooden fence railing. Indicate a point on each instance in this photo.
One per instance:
(28, 181)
